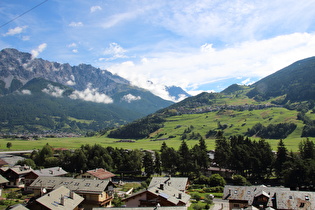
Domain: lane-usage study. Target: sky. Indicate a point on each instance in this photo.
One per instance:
(198, 45)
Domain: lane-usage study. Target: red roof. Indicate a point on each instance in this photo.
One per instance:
(2, 162)
(101, 173)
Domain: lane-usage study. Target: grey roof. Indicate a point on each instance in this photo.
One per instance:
(3, 180)
(250, 192)
(18, 207)
(60, 198)
(293, 199)
(77, 185)
(285, 198)
(178, 183)
(21, 169)
(167, 192)
(54, 171)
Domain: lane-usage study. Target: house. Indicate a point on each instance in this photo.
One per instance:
(262, 197)
(159, 195)
(60, 198)
(53, 171)
(97, 174)
(226, 173)
(162, 191)
(96, 193)
(15, 175)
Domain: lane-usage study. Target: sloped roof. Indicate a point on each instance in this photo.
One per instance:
(170, 194)
(60, 198)
(77, 185)
(18, 207)
(167, 192)
(54, 171)
(21, 169)
(178, 183)
(101, 173)
(3, 180)
(250, 192)
(293, 199)
(3, 162)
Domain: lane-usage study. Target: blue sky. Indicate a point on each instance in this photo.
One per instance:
(199, 45)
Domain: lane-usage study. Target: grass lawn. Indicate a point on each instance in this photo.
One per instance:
(236, 122)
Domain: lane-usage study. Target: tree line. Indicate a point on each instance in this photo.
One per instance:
(252, 161)
(184, 161)
(255, 161)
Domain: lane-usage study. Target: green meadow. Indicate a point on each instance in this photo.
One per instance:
(236, 123)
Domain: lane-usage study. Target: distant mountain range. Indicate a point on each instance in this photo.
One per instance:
(33, 90)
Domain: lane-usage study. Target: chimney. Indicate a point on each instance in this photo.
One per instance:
(179, 196)
(162, 186)
(62, 200)
(71, 194)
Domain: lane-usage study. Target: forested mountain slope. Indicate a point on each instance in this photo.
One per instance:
(276, 107)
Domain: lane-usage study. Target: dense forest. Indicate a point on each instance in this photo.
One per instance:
(252, 161)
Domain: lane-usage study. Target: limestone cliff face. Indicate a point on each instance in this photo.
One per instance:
(16, 65)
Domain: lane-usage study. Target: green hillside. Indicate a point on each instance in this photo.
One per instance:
(41, 112)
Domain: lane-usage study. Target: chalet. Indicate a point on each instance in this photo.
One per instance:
(60, 198)
(226, 173)
(54, 171)
(162, 191)
(262, 197)
(97, 174)
(16, 175)
(96, 193)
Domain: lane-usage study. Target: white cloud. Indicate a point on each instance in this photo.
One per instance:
(246, 81)
(95, 8)
(38, 50)
(72, 45)
(129, 98)
(53, 91)
(234, 20)
(192, 68)
(76, 24)
(115, 51)
(14, 31)
(26, 92)
(91, 94)
(70, 82)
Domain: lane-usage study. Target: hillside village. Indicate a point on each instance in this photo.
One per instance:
(98, 188)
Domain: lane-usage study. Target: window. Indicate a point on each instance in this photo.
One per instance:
(248, 192)
(235, 191)
(290, 197)
(307, 198)
(87, 184)
(302, 205)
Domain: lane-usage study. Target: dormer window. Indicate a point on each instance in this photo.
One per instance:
(307, 198)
